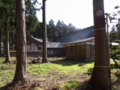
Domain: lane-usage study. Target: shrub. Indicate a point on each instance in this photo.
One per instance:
(115, 52)
(72, 85)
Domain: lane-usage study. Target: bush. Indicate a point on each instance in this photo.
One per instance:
(115, 52)
(72, 85)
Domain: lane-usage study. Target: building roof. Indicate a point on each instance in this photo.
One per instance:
(78, 35)
(82, 40)
(55, 45)
(49, 44)
(83, 35)
(38, 39)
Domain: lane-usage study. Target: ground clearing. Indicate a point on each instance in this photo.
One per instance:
(55, 74)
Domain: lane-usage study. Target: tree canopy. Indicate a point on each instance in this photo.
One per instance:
(8, 12)
(55, 32)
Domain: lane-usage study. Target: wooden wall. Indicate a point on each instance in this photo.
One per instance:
(79, 51)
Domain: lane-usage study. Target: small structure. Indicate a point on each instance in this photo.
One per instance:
(81, 49)
(79, 45)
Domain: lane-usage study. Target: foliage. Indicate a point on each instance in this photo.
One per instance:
(71, 85)
(116, 16)
(113, 36)
(115, 55)
(51, 31)
(115, 52)
(31, 19)
(38, 31)
(118, 41)
(54, 32)
(8, 10)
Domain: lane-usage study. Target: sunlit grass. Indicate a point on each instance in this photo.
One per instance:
(63, 68)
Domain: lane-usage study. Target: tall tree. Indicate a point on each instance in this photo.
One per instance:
(58, 30)
(0, 43)
(100, 79)
(113, 34)
(71, 28)
(21, 71)
(45, 60)
(64, 30)
(7, 49)
(61, 30)
(31, 19)
(7, 12)
(38, 31)
(51, 31)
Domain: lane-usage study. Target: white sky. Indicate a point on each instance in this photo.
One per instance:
(77, 12)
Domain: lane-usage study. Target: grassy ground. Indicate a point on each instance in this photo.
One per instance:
(58, 73)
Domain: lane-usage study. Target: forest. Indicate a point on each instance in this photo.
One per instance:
(18, 19)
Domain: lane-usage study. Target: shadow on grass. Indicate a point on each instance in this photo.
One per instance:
(116, 83)
(66, 62)
(90, 70)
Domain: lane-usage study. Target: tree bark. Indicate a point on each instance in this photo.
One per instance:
(7, 49)
(45, 60)
(100, 79)
(0, 44)
(21, 72)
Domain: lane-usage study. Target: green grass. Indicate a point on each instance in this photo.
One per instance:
(72, 85)
(57, 69)
(63, 68)
(44, 69)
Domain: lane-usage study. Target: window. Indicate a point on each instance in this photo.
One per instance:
(33, 47)
(39, 48)
(28, 47)
(51, 52)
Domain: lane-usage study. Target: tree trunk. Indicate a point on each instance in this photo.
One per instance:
(7, 49)
(0, 44)
(44, 35)
(21, 72)
(100, 79)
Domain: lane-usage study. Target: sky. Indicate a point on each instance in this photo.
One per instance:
(77, 12)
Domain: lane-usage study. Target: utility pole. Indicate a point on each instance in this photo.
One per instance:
(44, 33)
(100, 79)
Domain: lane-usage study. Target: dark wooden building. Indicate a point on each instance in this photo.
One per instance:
(79, 45)
(56, 49)
(34, 48)
(81, 49)
(76, 45)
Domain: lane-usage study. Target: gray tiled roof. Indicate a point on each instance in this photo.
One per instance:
(39, 40)
(55, 45)
(78, 35)
(82, 40)
(50, 44)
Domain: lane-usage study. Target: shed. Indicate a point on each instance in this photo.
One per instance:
(81, 49)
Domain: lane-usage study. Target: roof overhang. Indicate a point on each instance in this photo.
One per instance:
(82, 40)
